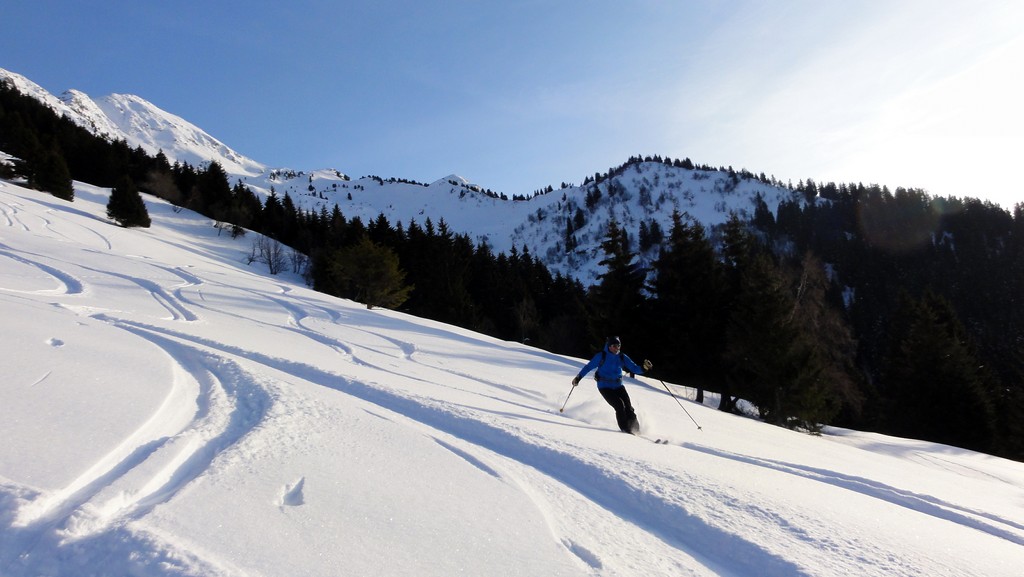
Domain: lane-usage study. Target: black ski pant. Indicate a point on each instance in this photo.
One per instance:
(618, 398)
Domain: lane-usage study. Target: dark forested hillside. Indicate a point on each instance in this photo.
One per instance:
(851, 305)
(901, 258)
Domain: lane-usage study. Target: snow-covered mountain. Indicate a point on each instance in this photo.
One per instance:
(646, 192)
(167, 410)
(139, 123)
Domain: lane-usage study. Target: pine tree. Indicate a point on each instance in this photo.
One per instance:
(369, 273)
(762, 350)
(688, 308)
(934, 381)
(272, 217)
(831, 348)
(618, 299)
(126, 205)
(50, 173)
(214, 192)
(736, 254)
(776, 357)
(245, 208)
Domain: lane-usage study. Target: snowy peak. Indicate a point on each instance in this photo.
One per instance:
(452, 179)
(29, 88)
(88, 115)
(146, 125)
(564, 228)
(140, 124)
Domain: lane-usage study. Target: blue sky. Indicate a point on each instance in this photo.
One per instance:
(515, 96)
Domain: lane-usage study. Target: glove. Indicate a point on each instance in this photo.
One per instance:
(576, 380)
(647, 365)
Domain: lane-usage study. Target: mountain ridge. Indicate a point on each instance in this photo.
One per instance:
(545, 225)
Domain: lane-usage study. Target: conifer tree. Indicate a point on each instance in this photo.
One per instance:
(126, 205)
(245, 208)
(369, 273)
(763, 347)
(934, 381)
(736, 254)
(772, 352)
(49, 172)
(688, 308)
(214, 192)
(827, 333)
(272, 217)
(618, 299)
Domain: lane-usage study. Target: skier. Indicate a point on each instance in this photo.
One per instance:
(609, 364)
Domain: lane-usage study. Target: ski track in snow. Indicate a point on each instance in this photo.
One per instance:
(173, 304)
(396, 348)
(229, 405)
(10, 212)
(86, 235)
(68, 284)
(212, 404)
(188, 281)
(987, 523)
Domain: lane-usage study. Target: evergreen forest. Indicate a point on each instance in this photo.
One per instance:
(863, 307)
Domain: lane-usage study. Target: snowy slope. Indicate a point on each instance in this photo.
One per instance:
(167, 410)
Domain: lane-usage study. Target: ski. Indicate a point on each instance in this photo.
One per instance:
(656, 441)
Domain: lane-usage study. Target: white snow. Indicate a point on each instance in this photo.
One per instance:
(168, 410)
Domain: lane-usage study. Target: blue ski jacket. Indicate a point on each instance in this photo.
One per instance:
(609, 367)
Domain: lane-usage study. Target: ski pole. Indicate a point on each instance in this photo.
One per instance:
(680, 404)
(562, 410)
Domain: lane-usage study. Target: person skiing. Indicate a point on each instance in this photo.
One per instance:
(610, 363)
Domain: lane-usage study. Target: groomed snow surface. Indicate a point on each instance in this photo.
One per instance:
(168, 409)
